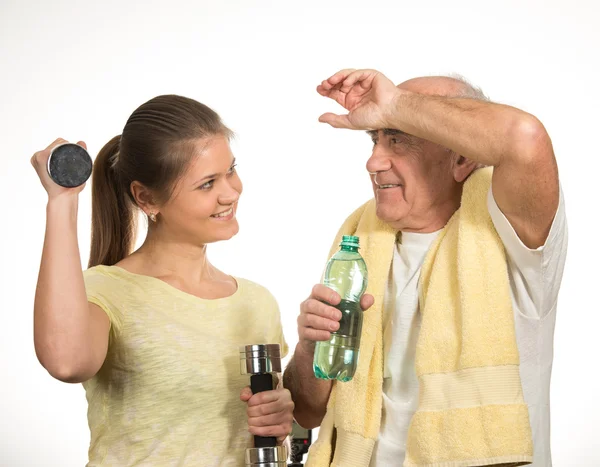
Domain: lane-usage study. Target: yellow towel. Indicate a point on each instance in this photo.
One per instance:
(471, 410)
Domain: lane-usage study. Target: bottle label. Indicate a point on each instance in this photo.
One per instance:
(348, 335)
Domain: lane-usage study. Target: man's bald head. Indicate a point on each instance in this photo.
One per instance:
(447, 86)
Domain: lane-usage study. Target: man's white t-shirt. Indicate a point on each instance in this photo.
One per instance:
(535, 277)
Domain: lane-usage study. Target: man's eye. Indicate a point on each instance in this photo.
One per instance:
(232, 169)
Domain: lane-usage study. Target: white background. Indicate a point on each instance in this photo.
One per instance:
(77, 69)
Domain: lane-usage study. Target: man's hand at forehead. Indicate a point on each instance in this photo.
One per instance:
(368, 95)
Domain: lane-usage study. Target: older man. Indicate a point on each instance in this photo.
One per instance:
(429, 136)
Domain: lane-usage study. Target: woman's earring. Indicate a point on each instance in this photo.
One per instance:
(152, 217)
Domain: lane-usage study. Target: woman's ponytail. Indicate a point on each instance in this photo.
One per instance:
(113, 214)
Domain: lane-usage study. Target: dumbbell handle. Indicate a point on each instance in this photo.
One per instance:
(259, 383)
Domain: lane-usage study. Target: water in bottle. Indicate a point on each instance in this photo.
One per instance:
(346, 273)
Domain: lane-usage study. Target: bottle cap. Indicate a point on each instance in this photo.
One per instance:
(350, 240)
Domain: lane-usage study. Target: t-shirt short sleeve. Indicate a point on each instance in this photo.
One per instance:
(535, 274)
(101, 289)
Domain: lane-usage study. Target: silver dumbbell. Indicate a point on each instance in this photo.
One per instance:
(262, 362)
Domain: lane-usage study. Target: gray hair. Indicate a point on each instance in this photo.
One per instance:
(469, 90)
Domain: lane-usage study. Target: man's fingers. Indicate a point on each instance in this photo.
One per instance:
(336, 121)
(324, 91)
(317, 317)
(337, 78)
(314, 335)
(317, 322)
(366, 301)
(363, 78)
(334, 94)
(319, 308)
(331, 322)
(325, 294)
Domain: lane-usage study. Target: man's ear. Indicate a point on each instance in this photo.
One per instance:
(462, 168)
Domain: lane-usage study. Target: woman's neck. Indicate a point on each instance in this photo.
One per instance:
(164, 258)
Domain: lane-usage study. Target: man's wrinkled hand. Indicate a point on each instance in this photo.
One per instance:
(319, 318)
(368, 95)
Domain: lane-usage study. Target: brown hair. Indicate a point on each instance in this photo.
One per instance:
(154, 149)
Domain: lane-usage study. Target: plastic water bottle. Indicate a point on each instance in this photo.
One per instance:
(346, 273)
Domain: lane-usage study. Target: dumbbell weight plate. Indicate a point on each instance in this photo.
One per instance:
(69, 165)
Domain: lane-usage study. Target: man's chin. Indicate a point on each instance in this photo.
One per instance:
(391, 215)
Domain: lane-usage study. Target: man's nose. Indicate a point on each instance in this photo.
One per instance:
(380, 160)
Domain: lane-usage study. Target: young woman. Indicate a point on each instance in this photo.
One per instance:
(154, 335)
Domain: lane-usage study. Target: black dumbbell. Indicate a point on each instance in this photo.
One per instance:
(69, 165)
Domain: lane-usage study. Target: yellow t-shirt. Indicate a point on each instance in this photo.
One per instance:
(168, 392)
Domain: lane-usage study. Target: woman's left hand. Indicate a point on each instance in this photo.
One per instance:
(270, 413)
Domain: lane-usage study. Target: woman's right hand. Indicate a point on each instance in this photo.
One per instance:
(39, 161)
(319, 317)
